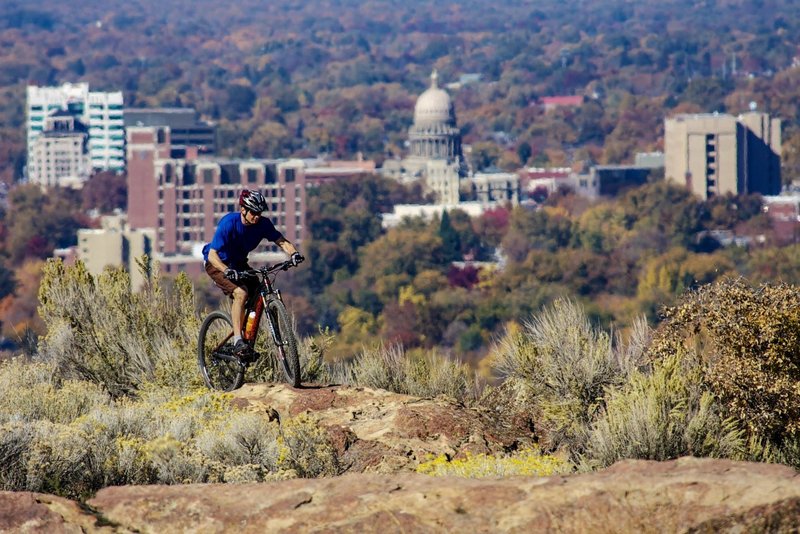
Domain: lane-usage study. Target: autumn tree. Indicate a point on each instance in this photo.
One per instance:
(38, 223)
(105, 191)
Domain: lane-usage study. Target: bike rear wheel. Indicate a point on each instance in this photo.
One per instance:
(219, 368)
(286, 346)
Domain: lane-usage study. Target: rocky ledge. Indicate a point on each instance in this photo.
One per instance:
(685, 495)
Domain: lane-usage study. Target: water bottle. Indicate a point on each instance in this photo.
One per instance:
(250, 328)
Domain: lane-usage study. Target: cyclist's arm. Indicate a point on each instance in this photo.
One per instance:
(285, 245)
(213, 259)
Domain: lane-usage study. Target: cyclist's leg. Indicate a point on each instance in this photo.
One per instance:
(237, 309)
(235, 292)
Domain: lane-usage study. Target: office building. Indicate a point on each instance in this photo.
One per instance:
(59, 155)
(715, 154)
(493, 188)
(101, 112)
(115, 244)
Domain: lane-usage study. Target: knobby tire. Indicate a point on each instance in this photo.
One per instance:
(284, 335)
(217, 373)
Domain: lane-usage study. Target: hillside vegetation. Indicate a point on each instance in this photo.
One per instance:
(109, 411)
(619, 258)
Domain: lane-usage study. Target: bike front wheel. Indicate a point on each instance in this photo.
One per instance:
(285, 342)
(215, 356)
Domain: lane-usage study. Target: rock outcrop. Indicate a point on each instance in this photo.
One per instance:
(686, 495)
(379, 431)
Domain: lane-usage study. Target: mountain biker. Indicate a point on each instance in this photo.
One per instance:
(238, 234)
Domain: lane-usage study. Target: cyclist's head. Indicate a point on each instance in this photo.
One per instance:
(253, 201)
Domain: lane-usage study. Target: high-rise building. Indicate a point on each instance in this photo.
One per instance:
(101, 112)
(59, 155)
(715, 154)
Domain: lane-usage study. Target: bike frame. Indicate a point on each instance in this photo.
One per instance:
(266, 293)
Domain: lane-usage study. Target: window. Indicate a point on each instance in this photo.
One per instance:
(289, 175)
(208, 176)
(269, 174)
(252, 176)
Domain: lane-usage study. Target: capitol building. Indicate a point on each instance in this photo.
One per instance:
(435, 157)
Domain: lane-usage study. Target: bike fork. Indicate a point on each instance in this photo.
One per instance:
(278, 343)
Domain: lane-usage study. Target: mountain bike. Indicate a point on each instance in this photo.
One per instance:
(224, 370)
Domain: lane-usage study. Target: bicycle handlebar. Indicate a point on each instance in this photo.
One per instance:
(263, 271)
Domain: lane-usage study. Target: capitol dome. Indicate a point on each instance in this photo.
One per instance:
(434, 105)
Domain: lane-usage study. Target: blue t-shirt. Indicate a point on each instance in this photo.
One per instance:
(234, 240)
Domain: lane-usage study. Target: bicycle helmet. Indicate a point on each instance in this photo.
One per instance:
(252, 200)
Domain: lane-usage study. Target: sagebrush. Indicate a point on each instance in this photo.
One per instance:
(428, 374)
(54, 444)
(561, 367)
(100, 331)
(660, 415)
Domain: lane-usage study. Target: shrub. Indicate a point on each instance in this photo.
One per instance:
(311, 351)
(29, 391)
(16, 438)
(312, 356)
(746, 342)
(663, 415)
(527, 462)
(560, 367)
(100, 331)
(157, 438)
(422, 374)
(152, 440)
(57, 461)
(241, 448)
(306, 449)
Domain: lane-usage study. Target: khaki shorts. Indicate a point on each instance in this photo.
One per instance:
(219, 279)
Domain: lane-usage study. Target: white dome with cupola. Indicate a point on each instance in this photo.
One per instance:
(435, 134)
(434, 105)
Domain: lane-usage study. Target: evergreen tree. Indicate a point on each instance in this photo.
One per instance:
(451, 241)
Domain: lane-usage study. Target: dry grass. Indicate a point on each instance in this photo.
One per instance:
(421, 374)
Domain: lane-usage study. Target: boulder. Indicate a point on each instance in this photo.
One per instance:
(36, 512)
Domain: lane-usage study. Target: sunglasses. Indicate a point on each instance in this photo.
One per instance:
(254, 215)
